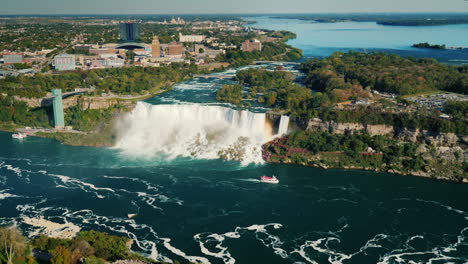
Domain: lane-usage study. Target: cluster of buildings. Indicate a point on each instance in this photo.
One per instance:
(197, 49)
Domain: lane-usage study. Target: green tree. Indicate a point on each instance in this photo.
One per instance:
(12, 243)
(61, 255)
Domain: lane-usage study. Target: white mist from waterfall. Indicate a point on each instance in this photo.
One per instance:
(193, 130)
(283, 126)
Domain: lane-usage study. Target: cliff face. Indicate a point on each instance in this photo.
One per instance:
(84, 101)
(102, 102)
(404, 134)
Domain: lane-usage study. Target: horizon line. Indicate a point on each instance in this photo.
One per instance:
(247, 13)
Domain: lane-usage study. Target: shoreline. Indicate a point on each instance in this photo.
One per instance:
(345, 168)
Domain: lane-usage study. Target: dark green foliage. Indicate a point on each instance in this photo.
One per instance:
(351, 150)
(86, 244)
(87, 120)
(457, 109)
(426, 45)
(134, 80)
(270, 51)
(230, 93)
(383, 72)
(45, 243)
(61, 255)
(372, 116)
(106, 246)
(17, 112)
(275, 88)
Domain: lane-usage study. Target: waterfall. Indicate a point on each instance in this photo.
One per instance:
(193, 130)
(283, 126)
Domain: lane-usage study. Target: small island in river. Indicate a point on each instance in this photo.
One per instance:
(426, 45)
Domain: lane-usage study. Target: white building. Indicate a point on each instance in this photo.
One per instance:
(64, 62)
(191, 38)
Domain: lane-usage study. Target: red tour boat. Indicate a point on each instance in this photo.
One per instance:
(269, 179)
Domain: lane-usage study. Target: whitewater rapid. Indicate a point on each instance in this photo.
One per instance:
(197, 131)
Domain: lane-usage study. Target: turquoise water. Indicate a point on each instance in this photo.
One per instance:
(216, 211)
(312, 216)
(322, 39)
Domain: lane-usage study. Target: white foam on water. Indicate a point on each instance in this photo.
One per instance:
(222, 252)
(322, 246)
(178, 252)
(52, 229)
(146, 197)
(87, 187)
(5, 195)
(207, 240)
(192, 130)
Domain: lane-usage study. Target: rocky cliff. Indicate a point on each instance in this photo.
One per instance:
(405, 134)
(86, 102)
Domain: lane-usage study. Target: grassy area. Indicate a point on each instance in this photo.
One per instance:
(98, 139)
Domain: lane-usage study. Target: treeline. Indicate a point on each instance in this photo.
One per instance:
(359, 150)
(17, 112)
(271, 88)
(348, 73)
(270, 51)
(424, 120)
(230, 94)
(426, 45)
(421, 19)
(133, 80)
(87, 247)
(53, 34)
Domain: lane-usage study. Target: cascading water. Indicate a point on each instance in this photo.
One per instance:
(283, 126)
(193, 130)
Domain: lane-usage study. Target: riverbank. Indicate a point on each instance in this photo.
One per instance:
(364, 152)
(102, 133)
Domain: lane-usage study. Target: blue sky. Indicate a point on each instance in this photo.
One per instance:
(226, 6)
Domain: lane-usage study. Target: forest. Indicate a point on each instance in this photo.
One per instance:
(358, 150)
(344, 73)
(271, 88)
(134, 80)
(270, 51)
(351, 76)
(87, 247)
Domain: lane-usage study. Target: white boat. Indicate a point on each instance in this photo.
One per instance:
(19, 135)
(131, 215)
(269, 179)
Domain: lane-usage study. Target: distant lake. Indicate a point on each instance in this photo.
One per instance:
(323, 39)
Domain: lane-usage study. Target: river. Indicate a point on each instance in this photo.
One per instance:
(192, 206)
(323, 39)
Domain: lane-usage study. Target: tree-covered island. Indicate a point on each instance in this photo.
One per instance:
(370, 111)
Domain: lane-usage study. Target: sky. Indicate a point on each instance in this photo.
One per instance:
(9, 7)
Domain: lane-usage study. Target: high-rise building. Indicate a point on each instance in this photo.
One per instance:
(175, 49)
(129, 31)
(59, 121)
(155, 48)
(64, 62)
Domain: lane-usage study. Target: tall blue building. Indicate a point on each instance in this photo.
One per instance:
(129, 31)
(59, 121)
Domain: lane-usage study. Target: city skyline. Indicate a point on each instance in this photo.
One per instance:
(57, 7)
